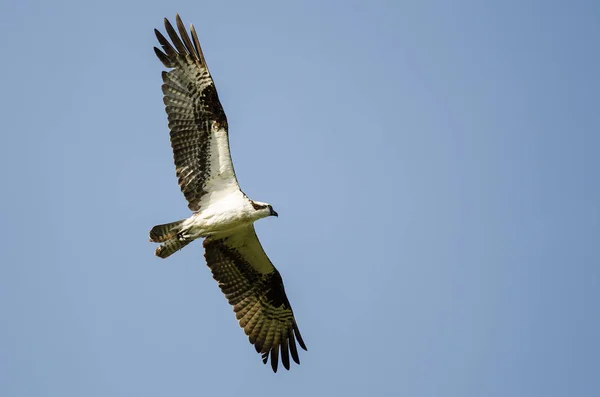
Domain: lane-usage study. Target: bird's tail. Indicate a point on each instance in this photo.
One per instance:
(162, 233)
(167, 234)
(170, 247)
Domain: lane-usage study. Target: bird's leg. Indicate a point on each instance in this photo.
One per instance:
(182, 236)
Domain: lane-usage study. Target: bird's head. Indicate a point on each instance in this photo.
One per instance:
(263, 209)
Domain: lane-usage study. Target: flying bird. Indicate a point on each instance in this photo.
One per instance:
(222, 214)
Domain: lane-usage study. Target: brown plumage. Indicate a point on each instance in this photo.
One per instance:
(193, 109)
(199, 139)
(258, 299)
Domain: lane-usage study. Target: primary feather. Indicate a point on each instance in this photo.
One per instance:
(223, 214)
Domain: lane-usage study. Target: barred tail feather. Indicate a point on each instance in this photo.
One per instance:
(162, 233)
(170, 247)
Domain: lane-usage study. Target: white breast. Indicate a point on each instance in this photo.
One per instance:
(228, 213)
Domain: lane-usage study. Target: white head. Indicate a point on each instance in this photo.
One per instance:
(263, 209)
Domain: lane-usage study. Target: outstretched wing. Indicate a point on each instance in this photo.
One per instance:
(254, 288)
(197, 122)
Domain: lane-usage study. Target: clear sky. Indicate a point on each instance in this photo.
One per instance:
(435, 166)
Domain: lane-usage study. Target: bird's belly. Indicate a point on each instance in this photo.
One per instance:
(209, 223)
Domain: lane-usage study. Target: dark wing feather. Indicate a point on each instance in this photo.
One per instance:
(197, 121)
(255, 289)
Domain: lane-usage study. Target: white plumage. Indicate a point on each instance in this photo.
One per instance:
(222, 213)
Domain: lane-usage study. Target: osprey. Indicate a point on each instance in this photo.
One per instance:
(222, 214)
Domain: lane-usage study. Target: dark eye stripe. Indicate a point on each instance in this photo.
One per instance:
(258, 206)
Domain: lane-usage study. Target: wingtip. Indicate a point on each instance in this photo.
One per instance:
(167, 23)
(178, 20)
(274, 358)
(299, 337)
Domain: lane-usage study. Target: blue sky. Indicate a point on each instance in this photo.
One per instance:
(435, 168)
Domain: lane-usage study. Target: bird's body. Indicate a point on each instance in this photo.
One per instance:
(222, 214)
(221, 218)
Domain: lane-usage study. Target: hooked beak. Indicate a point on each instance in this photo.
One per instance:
(273, 213)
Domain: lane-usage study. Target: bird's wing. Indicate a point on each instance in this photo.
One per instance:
(198, 124)
(254, 288)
